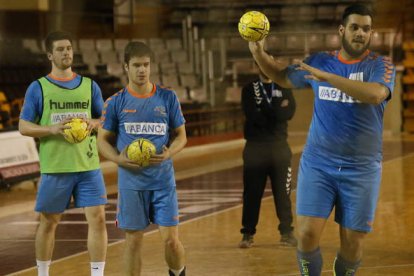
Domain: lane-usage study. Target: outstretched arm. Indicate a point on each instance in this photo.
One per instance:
(366, 92)
(272, 68)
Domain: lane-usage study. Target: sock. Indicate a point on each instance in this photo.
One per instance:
(97, 268)
(177, 272)
(43, 267)
(343, 267)
(310, 263)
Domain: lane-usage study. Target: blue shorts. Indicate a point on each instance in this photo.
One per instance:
(137, 209)
(56, 190)
(353, 191)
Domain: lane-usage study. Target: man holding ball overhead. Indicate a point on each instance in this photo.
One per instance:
(341, 162)
(145, 193)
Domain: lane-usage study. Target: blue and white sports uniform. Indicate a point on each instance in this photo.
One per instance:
(151, 189)
(56, 189)
(341, 162)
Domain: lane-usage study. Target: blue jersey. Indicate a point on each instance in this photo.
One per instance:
(132, 116)
(33, 102)
(343, 130)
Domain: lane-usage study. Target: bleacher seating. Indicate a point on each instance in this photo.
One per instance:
(104, 45)
(86, 44)
(174, 44)
(32, 44)
(108, 56)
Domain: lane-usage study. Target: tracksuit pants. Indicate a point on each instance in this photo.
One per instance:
(260, 161)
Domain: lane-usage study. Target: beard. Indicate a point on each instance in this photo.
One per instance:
(63, 64)
(351, 50)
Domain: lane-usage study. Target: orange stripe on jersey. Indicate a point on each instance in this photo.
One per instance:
(388, 73)
(62, 79)
(114, 95)
(343, 60)
(137, 95)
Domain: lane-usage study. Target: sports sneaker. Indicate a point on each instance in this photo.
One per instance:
(247, 241)
(170, 273)
(288, 240)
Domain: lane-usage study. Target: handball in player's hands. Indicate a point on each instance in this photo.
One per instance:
(254, 26)
(140, 151)
(77, 131)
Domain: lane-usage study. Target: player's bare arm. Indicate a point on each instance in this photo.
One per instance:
(272, 68)
(106, 145)
(176, 146)
(34, 130)
(366, 92)
(93, 124)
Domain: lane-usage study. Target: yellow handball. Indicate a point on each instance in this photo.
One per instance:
(254, 26)
(77, 131)
(140, 151)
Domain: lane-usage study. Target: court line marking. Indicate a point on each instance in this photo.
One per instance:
(118, 242)
(201, 217)
(56, 240)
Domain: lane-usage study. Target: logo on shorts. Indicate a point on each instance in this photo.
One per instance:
(369, 223)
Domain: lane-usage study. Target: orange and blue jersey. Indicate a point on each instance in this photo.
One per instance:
(345, 131)
(341, 163)
(132, 116)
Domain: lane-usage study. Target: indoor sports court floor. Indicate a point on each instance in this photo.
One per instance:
(210, 205)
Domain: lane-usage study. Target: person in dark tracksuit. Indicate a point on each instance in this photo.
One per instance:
(267, 108)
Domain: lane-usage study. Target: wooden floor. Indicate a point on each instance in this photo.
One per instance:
(210, 204)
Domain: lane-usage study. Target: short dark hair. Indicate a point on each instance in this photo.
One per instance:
(55, 36)
(137, 49)
(356, 9)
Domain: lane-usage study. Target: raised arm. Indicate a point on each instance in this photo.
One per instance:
(272, 68)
